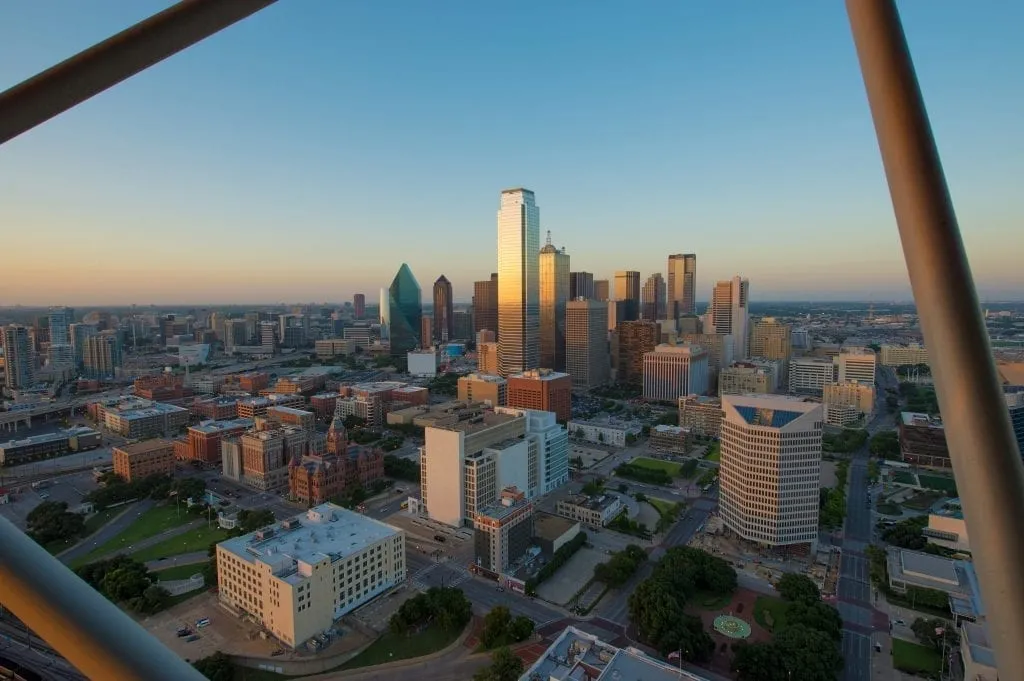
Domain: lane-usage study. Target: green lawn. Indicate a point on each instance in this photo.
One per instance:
(770, 612)
(915, 659)
(657, 464)
(389, 647)
(92, 523)
(940, 483)
(660, 505)
(714, 452)
(149, 524)
(922, 501)
(904, 478)
(198, 539)
(179, 572)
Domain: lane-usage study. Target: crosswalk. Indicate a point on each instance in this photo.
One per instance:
(461, 575)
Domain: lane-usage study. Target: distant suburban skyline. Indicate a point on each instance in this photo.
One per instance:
(307, 152)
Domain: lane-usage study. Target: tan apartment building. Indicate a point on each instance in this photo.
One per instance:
(142, 459)
(742, 378)
(701, 415)
(296, 578)
(772, 339)
(543, 390)
(487, 358)
(486, 388)
(770, 470)
(903, 355)
(845, 397)
(334, 347)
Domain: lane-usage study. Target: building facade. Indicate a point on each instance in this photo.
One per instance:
(518, 282)
(485, 305)
(729, 313)
(503, 532)
(554, 294)
(581, 285)
(636, 338)
(701, 415)
(653, 298)
(142, 459)
(297, 577)
(671, 371)
(771, 470)
(586, 344)
(627, 294)
(444, 311)
(405, 312)
(542, 390)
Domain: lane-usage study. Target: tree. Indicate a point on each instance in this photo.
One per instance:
(216, 667)
(623, 488)
(496, 627)
(816, 615)
(934, 633)
(885, 445)
(505, 666)
(758, 662)
(52, 521)
(797, 587)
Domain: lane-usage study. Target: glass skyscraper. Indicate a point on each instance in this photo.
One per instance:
(554, 294)
(405, 312)
(444, 313)
(518, 282)
(682, 284)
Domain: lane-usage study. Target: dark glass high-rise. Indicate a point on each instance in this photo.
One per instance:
(405, 306)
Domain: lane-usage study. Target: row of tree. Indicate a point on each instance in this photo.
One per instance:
(833, 501)
(623, 565)
(650, 476)
(51, 521)
(658, 604)
(845, 441)
(805, 642)
(124, 580)
(885, 445)
(115, 489)
(401, 469)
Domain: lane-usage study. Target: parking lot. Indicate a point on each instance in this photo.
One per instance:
(570, 578)
(227, 633)
(67, 488)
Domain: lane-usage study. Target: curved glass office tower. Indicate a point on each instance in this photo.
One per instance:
(405, 312)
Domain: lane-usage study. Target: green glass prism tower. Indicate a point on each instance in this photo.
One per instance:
(405, 312)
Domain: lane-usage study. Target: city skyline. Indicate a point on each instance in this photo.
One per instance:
(94, 192)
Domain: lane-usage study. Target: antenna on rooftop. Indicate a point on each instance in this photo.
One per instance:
(548, 242)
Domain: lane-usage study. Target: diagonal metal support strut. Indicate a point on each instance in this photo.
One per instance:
(117, 58)
(986, 460)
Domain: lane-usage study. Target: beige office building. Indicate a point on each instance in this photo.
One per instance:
(486, 388)
(770, 469)
(554, 294)
(297, 577)
(772, 339)
(902, 355)
(671, 371)
(729, 313)
(701, 415)
(855, 364)
(587, 359)
(720, 349)
(742, 378)
(844, 398)
(487, 358)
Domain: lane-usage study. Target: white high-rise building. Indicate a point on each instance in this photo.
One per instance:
(770, 468)
(810, 375)
(518, 282)
(464, 466)
(729, 313)
(672, 371)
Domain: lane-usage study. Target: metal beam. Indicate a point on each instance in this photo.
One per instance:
(106, 64)
(91, 632)
(987, 464)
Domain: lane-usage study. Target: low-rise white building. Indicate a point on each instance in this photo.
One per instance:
(608, 432)
(423, 363)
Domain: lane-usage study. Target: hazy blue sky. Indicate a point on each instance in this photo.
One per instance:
(306, 152)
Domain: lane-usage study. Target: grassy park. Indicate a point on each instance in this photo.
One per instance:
(915, 659)
(770, 612)
(940, 483)
(151, 523)
(197, 539)
(657, 464)
(391, 647)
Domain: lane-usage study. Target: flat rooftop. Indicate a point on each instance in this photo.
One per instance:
(671, 430)
(574, 651)
(481, 422)
(324, 532)
(210, 427)
(597, 503)
(913, 418)
(158, 409)
(291, 410)
(924, 569)
(548, 526)
(486, 378)
(540, 375)
(145, 447)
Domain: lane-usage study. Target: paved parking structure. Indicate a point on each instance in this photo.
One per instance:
(571, 577)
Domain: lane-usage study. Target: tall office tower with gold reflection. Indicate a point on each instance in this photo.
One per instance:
(682, 284)
(554, 294)
(518, 282)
